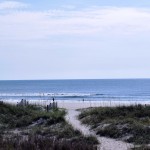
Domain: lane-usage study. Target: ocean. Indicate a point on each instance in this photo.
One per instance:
(93, 90)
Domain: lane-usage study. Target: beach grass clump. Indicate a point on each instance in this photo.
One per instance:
(30, 127)
(129, 123)
(66, 131)
(91, 139)
(14, 116)
(41, 143)
(143, 147)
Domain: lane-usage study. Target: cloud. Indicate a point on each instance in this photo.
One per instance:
(12, 5)
(27, 25)
(79, 41)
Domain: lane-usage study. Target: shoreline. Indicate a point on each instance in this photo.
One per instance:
(68, 104)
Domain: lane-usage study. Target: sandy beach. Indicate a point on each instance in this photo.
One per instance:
(82, 104)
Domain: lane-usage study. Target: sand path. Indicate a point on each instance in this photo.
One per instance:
(105, 143)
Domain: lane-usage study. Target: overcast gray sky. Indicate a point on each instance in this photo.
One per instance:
(74, 40)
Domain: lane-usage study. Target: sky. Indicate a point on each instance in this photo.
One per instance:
(68, 39)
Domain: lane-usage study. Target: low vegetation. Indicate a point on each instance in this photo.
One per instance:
(31, 127)
(143, 147)
(15, 117)
(128, 123)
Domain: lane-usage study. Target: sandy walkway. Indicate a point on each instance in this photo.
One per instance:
(106, 143)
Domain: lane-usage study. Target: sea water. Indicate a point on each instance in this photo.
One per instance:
(93, 90)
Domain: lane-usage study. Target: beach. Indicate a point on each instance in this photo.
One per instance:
(81, 104)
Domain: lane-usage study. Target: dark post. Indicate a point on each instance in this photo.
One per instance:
(47, 108)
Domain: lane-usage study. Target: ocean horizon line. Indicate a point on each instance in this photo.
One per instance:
(75, 79)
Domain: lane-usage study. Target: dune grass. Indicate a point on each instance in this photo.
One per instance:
(31, 127)
(129, 123)
(41, 143)
(13, 116)
(141, 148)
